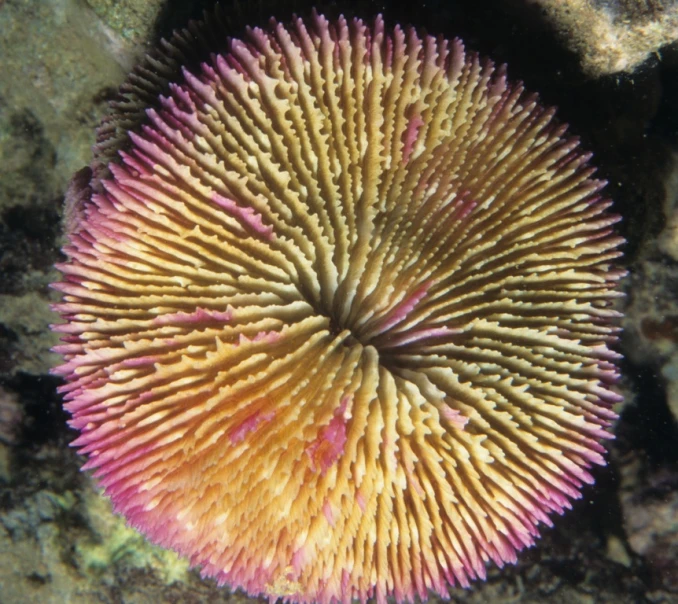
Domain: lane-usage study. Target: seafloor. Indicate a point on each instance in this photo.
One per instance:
(612, 70)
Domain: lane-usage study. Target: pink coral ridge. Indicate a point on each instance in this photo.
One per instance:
(337, 326)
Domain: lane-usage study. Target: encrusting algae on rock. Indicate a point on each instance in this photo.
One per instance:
(337, 321)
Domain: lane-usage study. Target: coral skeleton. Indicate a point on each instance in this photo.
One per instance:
(337, 324)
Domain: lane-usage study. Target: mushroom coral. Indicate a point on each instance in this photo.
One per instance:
(337, 324)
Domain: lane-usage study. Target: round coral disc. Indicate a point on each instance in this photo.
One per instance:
(337, 325)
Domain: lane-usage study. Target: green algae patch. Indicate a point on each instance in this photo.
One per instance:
(113, 544)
